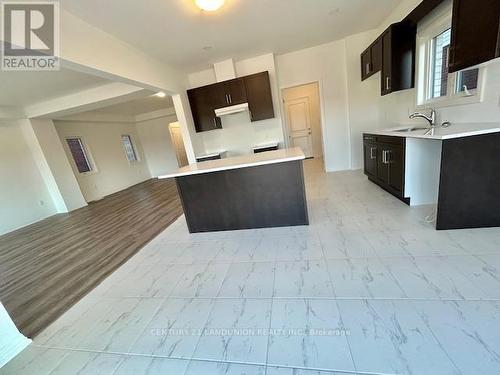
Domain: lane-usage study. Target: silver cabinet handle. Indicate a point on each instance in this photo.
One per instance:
(371, 153)
(383, 156)
(367, 68)
(227, 99)
(215, 122)
(230, 99)
(388, 83)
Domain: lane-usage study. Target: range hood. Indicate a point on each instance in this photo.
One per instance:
(231, 110)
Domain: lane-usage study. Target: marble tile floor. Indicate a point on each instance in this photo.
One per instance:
(368, 288)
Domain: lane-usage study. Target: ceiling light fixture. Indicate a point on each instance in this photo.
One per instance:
(209, 5)
(160, 94)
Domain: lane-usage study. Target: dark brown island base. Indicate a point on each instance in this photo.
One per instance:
(262, 190)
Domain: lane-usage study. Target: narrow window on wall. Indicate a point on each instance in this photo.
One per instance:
(129, 148)
(80, 156)
(439, 64)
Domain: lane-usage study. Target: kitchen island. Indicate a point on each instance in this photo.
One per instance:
(253, 191)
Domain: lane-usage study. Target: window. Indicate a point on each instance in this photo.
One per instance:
(439, 60)
(80, 156)
(129, 148)
(436, 86)
(467, 81)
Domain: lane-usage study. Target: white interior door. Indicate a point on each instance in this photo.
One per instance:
(178, 143)
(298, 118)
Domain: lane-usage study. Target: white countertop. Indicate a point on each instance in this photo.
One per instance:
(454, 131)
(266, 145)
(211, 154)
(251, 160)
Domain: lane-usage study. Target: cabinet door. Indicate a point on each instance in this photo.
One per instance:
(366, 64)
(377, 55)
(370, 156)
(386, 62)
(396, 167)
(475, 33)
(259, 97)
(382, 166)
(235, 91)
(203, 104)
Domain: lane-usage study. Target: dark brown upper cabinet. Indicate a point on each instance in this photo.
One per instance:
(393, 52)
(475, 33)
(398, 61)
(234, 92)
(259, 96)
(254, 89)
(371, 60)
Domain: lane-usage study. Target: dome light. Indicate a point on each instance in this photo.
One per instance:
(209, 5)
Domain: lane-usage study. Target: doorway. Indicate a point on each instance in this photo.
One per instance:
(303, 118)
(178, 143)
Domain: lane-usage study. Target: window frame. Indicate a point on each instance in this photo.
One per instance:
(134, 149)
(87, 153)
(427, 31)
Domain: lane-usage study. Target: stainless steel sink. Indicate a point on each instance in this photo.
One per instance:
(409, 129)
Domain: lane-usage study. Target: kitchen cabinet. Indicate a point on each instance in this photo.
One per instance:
(259, 96)
(370, 156)
(384, 162)
(371, 60)
(203, 102)
(475, 33)
(234, 92)
(254, 89)
(393, 52)
(398, 58)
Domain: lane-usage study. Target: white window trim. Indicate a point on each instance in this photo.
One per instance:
(426, 32)
(88, 154)
(136, 150)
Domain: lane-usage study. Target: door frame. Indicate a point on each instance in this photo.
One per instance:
(176, 124)
(286, 130)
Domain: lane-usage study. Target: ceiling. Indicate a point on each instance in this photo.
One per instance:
(138, 106)
(20, 89)
(185, 37)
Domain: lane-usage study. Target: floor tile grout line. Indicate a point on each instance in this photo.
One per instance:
(270, 318)
(205, 326)
(189, 360)
(435, 299)
(338, 308)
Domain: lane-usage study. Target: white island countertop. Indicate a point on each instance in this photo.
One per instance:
(440, 133)
(251, 160)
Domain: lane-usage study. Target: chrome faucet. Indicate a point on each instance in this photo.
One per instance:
(431, 118)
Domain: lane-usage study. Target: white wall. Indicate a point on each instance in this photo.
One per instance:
(157, 145)
(24, 197)
(103, 140)
(325, 64)
(363, 97)
(56, 167)
(12, 342)
(238, 135)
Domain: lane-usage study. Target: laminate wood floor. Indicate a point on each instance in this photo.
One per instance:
(47, 267)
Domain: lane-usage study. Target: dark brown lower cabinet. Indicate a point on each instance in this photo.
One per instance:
(384, 162)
